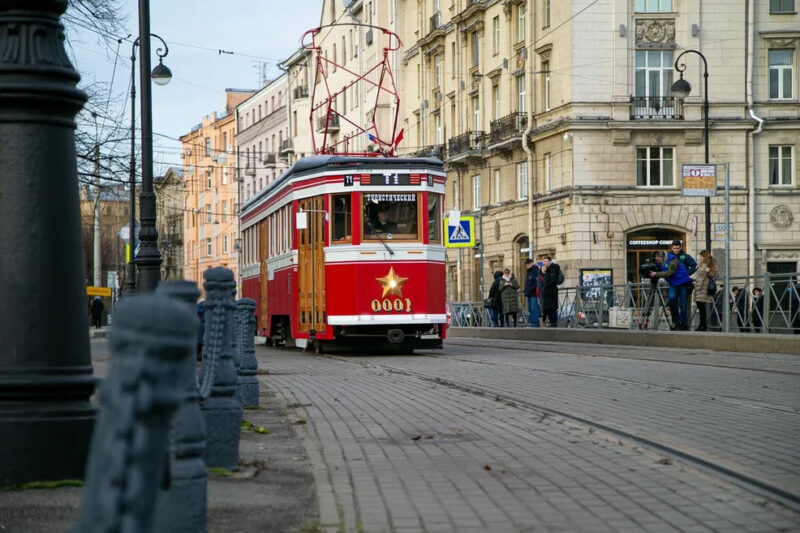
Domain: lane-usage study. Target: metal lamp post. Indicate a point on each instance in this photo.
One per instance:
(149, 259)
(681, 89)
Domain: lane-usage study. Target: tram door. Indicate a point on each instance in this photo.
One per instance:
(263, 254)
(311, 267)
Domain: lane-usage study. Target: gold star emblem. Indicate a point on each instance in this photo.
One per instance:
(392, 284)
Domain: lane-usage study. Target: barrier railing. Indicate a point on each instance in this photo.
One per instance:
(630, 306)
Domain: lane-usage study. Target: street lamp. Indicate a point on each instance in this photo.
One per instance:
(149, 257)
(681, 89)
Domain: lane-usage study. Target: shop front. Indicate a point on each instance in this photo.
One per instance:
(640, 245)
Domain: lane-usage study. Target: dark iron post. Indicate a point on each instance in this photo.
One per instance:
(46, 377)
(248, 364)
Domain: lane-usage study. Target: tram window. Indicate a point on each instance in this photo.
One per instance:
(434, 224)
(390, 216)
(342, 229)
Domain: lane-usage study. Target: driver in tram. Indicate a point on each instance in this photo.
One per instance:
(382, 223)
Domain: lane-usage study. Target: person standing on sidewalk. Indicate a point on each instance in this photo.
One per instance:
(532, 292)
(757, 313)
(551, 272)
(495, 304)
(706, 273)
(97, 312)
(509, 287)
(679, 281)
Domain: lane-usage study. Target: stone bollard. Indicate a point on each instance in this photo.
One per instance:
(221, 410)
(152, 337)
(182, 507)
(248, 365)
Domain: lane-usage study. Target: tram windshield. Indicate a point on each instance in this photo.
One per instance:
(391, 216)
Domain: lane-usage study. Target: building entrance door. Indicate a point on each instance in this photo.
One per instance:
(640, 245)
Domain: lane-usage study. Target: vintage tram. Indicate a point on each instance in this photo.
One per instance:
(348, 251)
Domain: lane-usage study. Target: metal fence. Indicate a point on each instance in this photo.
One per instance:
(776, 310)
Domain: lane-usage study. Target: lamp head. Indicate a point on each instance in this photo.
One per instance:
(161, 74)
(681, 88)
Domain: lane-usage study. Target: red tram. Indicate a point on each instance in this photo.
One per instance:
(349, 251)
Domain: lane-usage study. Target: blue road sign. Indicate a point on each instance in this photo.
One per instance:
(461, 235)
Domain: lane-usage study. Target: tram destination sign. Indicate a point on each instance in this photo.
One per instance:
(699, 180)
(387, 179)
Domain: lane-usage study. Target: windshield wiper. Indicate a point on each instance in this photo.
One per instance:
(372, 229)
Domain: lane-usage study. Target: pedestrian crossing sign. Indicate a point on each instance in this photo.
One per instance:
(461, 235)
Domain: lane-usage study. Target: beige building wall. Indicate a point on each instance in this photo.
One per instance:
(169, 222)
(298, 107)
(211, 191)
(588, 120)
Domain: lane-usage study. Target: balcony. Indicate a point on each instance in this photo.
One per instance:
(268, 159)
(286, 147)
(433, 150)
(656, 108)
(508, 127)
(332, 124)
(465, 143)
(300, 92)
(436, 21)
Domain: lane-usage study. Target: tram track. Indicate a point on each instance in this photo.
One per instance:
(685, 456)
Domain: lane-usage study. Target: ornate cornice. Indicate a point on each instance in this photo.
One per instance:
(655, 31)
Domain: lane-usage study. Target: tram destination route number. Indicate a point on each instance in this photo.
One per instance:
(387, 179)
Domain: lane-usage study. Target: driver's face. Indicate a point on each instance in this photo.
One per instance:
(383, 216)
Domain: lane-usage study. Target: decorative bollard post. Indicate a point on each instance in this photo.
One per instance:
(182, 507)
(248, 365)
(46, 378)
(151, 340)
(221, 410)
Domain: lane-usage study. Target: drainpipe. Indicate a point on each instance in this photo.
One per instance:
(751, 172)
(528, 150)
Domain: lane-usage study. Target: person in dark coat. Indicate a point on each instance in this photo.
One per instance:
(532, 292)
(550, 271)
(97, 312)
(495, 302)
(509, 288)
(757, 313)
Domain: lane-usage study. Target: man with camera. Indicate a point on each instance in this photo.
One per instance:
(679, 281)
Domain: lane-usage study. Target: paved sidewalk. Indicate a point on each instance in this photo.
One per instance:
(393, 452)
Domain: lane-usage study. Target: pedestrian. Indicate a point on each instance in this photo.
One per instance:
(739, 306)
(757, 312)
(509, 287)
(550, 273)
(705, 289)
(97, 312)
(532, 292)
(494, 303)
(679, 281)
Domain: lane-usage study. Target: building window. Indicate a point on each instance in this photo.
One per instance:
(781, 6)
(495, 102)
(208, 247)
(224, 244)
(208, 213)
(476, 114)
(653, 73)
(453, 60)
(344, 52)
(496, 34)
(210, 179)
(521, 23)
(548, 172)
(224, 175)
(224, 208)
(522, 180)
(497, 196)
(654, 166)
(437, 70)
(653, 6)
(780, 74)
(342, 227)
(476, 192)
(780, 165)
(438, 128)
(208, 146)
(521, 93)
(475, 48)
(434, 223)
(546, 13)
(546, 84)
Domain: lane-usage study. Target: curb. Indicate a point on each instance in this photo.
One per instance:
(721, 342)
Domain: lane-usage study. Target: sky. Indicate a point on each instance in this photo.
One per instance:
(256, 31)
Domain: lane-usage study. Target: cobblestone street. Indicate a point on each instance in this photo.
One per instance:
(547, 437)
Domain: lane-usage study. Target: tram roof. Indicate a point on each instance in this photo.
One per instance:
(316, 163)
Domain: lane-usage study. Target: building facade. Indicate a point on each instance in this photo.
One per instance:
(560, 133)
(262, 130)
(211, 192)
(169, 222)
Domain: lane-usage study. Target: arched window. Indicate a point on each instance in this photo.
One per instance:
(522, 248)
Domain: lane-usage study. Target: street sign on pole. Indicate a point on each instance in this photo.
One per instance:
(720, 233)
(699, 180)
(98, 291)
(461, 235)
(125, 232)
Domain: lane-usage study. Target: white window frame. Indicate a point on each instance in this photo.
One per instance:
(224, 175)
(225, 244)
(661, 159)
(476, 192)
(209, 251)
(210, 179)
(521, 93)
(522, 180)
(495, 102)
(208, 213)
(781, 73)
(475, 49)
(546, 13)
(497, 186)
(438, 127)
(437, 70)
(548, 172)
(546, 74)
(496, 33)
(776, 10)
(521, 15)
(663, 71)
(780, 157)
(654, 6)
(476, 113)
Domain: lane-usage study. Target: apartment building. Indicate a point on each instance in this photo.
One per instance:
(262, 132)
(210, 224)
(298, 143)
(559, 130)
(169, 222)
